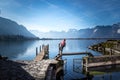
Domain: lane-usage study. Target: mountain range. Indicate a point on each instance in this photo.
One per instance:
(11, 30)
(100, 31)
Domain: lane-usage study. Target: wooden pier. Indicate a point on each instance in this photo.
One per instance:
(99, 61)
(43, 53)
(54, 67)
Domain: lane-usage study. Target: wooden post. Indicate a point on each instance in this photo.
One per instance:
(86, 64)
(82, 62)
(48, 50)
(40, 48)
(48, 47)
(36, 51)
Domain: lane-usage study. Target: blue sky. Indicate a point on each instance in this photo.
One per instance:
(59, 15)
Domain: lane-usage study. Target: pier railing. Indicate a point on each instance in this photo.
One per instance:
(98, 61)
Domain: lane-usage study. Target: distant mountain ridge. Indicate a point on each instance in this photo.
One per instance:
(101, 31)
(9, 28)
(108, 31)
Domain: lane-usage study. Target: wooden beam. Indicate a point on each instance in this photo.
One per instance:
(75, 53)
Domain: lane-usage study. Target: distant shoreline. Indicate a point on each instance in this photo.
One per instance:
(22, 38)
(16, 38)
(79, 38)
(108, 47)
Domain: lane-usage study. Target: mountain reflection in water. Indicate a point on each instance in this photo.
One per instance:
(13, 49)
(25, 50)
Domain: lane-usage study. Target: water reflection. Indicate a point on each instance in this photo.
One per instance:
(25, 50)
(14, 49)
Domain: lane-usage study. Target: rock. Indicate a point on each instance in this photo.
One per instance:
(23, 70)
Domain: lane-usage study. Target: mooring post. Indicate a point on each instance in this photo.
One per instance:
(48, 47)
(86, 64)
(40, 48)
(36, 51)
(47, 51)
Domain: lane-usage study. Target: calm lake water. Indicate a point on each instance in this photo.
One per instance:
(26, 50)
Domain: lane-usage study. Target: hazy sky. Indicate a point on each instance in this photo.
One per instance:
(46, 15)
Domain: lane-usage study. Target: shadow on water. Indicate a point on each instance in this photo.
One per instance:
(10, 70)
(12, 49)
(94, 73)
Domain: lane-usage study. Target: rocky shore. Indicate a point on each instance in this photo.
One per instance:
(110, 47)
(24, 70)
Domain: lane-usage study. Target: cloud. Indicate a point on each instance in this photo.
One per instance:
(46, 14)
(51, 5)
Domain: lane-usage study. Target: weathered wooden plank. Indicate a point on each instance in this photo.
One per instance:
(98, 61)
(103, 64)
(75, 53)
(41, 55)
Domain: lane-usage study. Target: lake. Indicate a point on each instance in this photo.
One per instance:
(26, 50)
